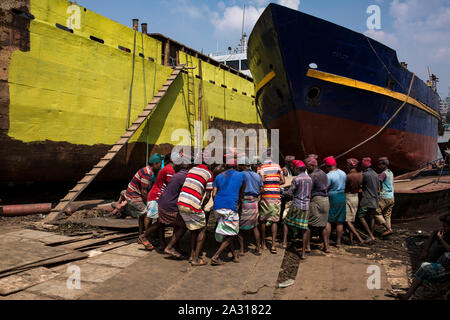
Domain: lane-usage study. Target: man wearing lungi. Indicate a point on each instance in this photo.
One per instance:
(319, 205)
(336, 195)
(168, 207)
(369, 199)
(228, 191)
(297, 217)
(194, 196)
(249, 210)
(352, 186)
(163, 177)
(386, 195)
(270, 203)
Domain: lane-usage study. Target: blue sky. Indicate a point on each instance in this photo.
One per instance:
(419, 30)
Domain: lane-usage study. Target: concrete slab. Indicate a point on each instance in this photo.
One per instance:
(156, 276)
(113, 260)
(15, 254)
(26, 279)
(30, 234)
(90, 272)
(58, 289)
(134, 250)
(336, 278)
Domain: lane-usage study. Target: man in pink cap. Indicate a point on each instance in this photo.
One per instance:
(336, 195)
(297, 217)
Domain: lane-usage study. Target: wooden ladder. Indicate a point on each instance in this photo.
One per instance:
(90, 176)
(191, 112)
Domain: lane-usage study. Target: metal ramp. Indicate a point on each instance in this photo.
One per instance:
(90, 176)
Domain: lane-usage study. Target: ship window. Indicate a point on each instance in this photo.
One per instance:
(63, 28)
(213, 82)
(244, 64)
(244, 93)
(233, 63)
(124, 49)
(151, 59)
(313, 93)
(97, 39)
(312, 65)
(22, 14)
(235, 90)
(141, 55)
(223, 86)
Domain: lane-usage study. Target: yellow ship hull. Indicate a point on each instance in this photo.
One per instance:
(65, 81)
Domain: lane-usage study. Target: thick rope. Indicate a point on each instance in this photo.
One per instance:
(131, 84)
(384, 126)
(384, 65)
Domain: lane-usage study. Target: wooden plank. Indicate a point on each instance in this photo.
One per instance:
(89, 242)
(101, 164)
(133, 127)
(109, 155)
(122, 141)
(17, 254)
(94, 171)
(111, 223)
(116, 148)
(25, 279)
(74, 256)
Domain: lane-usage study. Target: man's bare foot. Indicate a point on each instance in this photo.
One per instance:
(308, 250)
(199, 262)
(174, 253)
(326, 250)
(283, 245)
(241, 253)
(263, 246)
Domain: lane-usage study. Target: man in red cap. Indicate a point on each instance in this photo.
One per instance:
(320, 205)
(369, 200)
(297, 217)
(336, 195)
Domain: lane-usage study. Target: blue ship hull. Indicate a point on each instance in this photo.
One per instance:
(287, 49)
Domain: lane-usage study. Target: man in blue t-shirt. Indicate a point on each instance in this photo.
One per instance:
(336, 195)
(228, 190)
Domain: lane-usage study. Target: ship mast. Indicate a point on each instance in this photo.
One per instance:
(243, 43)
(433, 80)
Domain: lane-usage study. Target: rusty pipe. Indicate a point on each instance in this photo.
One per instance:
(25, 209)
(136, 24)
(144, 28)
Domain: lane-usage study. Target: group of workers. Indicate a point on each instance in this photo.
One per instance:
(305, 199)
(252, 197)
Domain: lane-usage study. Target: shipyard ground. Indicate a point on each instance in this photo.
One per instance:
(129, 272)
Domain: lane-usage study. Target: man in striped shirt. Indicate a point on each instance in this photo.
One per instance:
(132, 201)
(270, 203)
(198, 183)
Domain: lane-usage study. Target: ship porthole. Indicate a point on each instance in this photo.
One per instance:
(312, 65)
(313, 93)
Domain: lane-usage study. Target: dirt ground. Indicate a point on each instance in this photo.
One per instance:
(398, 254)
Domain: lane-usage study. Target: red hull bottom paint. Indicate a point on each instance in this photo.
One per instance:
(303, 133)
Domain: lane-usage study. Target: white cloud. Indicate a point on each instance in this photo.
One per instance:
(385, 38)
(293, 4)
(231, 20)
(422, 31)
